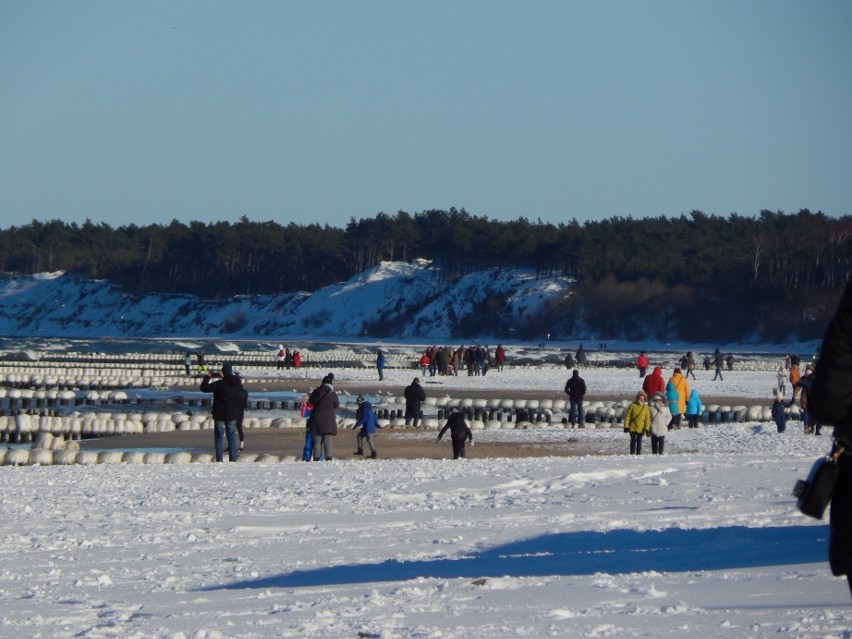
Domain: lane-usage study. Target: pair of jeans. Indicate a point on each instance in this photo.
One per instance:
(576, 414)
(222, 428)
(369, 438)
(412, 413)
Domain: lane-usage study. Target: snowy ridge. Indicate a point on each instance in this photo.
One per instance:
(392, 300)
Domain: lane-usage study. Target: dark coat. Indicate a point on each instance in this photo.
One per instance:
(226, 396)
(242, 404)
(830, 398)
(323, 420)
(575, 386)
(459, 430)
(831, 403)
(414, 396)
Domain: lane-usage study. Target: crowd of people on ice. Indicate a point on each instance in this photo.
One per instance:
(475, 359)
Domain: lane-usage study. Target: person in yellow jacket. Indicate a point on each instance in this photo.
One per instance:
(637, 422)
(682, 388)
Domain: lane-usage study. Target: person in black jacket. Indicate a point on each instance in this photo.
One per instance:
(226, 388)
(414, 396)
(830, 402)
(323, 419)
(575, 388)
(459, 433)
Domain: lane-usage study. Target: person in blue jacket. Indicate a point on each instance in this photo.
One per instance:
(380, 364)
(674, 398)
(693, 409)
(366, 418)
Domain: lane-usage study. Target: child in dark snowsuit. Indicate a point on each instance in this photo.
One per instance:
(778, 414)
(459, 433)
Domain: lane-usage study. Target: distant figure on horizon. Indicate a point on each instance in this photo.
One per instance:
(642, 364)
(380, 364)
(575, 388)
(717, 361)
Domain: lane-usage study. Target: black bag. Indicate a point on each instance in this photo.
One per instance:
(814, 493)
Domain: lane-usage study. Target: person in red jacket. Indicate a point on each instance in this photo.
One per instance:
(654, 383)
(642, 364)
(500, 357)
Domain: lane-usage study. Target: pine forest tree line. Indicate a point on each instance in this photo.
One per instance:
(780, 271)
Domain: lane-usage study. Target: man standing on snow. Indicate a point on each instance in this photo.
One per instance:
(226, 388)
(575, 387)
(414, 396)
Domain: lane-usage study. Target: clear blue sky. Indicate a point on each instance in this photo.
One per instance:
(319, 111)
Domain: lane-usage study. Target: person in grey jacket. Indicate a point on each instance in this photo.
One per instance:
(323, 419)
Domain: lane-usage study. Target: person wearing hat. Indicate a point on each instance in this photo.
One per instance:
(414, 396)
(323, 419)
(779, 412)
(661, 416)
(227, 395)
(680, 386)
(366, 418)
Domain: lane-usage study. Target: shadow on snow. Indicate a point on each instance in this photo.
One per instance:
(585, 553)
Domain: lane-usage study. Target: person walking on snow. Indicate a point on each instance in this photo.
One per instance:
(717, 360)
(781, 376)
(366, 418)
(642, 364)
(690, 365)
(459, 433)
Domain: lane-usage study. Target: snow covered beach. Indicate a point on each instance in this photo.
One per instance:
(704, 541)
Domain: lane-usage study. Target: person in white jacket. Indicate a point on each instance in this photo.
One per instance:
(660, 418)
